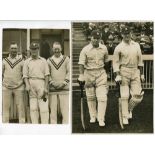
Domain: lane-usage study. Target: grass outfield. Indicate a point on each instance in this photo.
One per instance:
(142, 121)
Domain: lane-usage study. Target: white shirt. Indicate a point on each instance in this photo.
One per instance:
(127, 55)
(12, 72)
(35, 68)
(93, 58)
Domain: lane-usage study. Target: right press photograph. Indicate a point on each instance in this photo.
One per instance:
(112, 77)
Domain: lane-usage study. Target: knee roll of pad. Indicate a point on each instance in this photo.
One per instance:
(102, 99)
(89, 83)
(91, 98)
(32, 108)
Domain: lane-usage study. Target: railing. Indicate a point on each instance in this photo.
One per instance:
(148, 72)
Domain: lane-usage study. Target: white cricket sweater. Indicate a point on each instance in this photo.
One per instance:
(12, 72)
(59, 71)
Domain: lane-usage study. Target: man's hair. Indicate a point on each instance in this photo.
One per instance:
(13, 43)
(57, 43)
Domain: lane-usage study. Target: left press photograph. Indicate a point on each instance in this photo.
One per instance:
(35, 76)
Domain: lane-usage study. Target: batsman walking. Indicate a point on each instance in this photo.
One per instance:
(128, 71)
(92, 64)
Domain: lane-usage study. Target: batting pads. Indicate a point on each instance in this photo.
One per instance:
(135, 100)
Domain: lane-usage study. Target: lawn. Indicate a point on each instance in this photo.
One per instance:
(142, 121)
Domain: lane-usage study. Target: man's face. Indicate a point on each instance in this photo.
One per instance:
(110, 41)
(57, 50)
(34, 52)
(106, 29)
(95, 41)
(127, 37)
(13, 50)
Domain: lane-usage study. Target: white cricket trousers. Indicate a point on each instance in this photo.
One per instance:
(38, 108)
(17, 96)
(96, 89)
(59, 103)
(131, 84)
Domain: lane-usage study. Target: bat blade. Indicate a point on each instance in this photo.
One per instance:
(120, 113)
(82, 115)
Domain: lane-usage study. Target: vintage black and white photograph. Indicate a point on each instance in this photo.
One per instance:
(112, 77)
(35, 75)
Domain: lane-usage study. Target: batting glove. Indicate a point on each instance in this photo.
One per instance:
(81, 78)
(142, 78)
(81, 81)
(118, 79)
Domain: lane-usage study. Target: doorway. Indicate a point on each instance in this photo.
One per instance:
(46, 44)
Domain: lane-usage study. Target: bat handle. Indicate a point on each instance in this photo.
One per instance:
(81, 84)
(81, 93)
(118, 94)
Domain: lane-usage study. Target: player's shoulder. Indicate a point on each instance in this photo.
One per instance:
(102, 46)
(43, 59)
(5, 59)
(26, 62)
(49, 58)
(65, 57)
(119, 46)
(87, 47)
(28, 59)
(135, 43)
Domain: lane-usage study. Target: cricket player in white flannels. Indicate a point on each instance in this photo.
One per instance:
(59, 84)
(128, 69)
(92, 61)
(13, 87)
(36, 75)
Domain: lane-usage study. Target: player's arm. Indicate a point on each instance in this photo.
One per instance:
(116, 61)
(81, 69)
(106, 61)
(46, 83)
(140, 63)
(116, 65)
(47, 73)
(67, 77)
(82, 61)
(25, 75)
(3, 69)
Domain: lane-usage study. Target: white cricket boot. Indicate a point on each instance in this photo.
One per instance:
(125, 121)
(93, 120)
(130, 115)
(101, 123)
